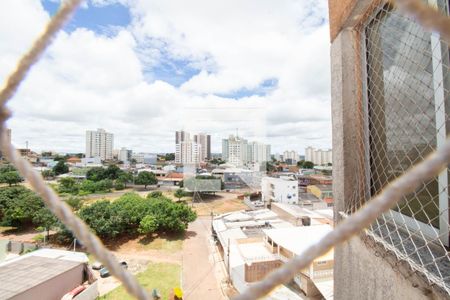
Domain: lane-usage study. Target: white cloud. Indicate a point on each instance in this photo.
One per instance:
(88, 80)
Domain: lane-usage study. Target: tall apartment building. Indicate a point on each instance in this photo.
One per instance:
(124, 155)
(181, 136)
(390, 109)
(234, 150)
(258, 152)
(99, 144)
(319, 156)
(309, 153)
(239, 151)
(290, 157)
(204, 140)
(189, 151)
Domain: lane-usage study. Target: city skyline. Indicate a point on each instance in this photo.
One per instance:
(274, 91)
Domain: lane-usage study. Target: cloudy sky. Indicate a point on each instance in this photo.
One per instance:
(142, 69)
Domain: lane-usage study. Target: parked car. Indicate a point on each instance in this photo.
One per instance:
(104, 272)
(97, 265)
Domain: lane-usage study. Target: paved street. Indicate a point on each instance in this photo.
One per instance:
(199, 270)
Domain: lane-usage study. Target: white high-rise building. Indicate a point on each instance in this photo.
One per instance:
(258, 152)
(124, 155)
(309, 154)
(234, 150)
(187, 152)
(290, 156)
(319, 156)
(204, 140)
(99, 144)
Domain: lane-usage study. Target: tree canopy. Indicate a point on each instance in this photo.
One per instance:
(60, 168)
(146, 178)
(134, 214)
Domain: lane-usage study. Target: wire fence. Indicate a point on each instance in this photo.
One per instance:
(404, 114)
(407, 80)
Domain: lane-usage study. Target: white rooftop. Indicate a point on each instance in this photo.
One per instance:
(298, 239)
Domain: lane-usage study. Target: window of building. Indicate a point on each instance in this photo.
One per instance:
(408, 105)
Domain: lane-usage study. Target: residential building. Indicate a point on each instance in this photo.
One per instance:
(234, 150)
(255, 243)
(309, 154)
(99, 144)
(390, 101)
(125, 155)
(322, 191)
(239, 152)
(47, 274)
(137, 157)
(283, 190)
(319, 156)
(190, 152)
(258, 153)
(204, 140)
(290, 157)
(181, 136)
(187, 152)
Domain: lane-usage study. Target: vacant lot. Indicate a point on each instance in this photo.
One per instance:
(219, 204)
(161, 276)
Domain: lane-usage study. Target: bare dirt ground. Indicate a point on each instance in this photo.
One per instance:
(219, 204)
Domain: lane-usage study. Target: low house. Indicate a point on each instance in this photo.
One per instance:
(255, 243)
(286, 243)
(322, 191)
(46, 274)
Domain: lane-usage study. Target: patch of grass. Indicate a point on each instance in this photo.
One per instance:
(161, 276)
(162, 243)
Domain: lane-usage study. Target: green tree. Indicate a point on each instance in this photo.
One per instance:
(308, 165)
(169, 157)
(68, 185)
(102, 219)
(96, 174)
(119, 185)
(7, 168)
(113, 172)
(155, 194)
(18, 205)
(45, 218)
(146, 178)
(179, 193)
(48, 174)
(88, 186)
(148, 225)
(270, 167)
(11, 177)
(125, 178)
(75, 203)
(60, 168)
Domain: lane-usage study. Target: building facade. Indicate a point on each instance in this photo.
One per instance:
(290, 157)
(124, 155)
(204, 140)
(390, 102)
(234, 150)
(282, 190)
(99, 144)
(319, 156)
(258, 153)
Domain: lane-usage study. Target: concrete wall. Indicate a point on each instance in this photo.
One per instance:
(55, 288)
(362, 273)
